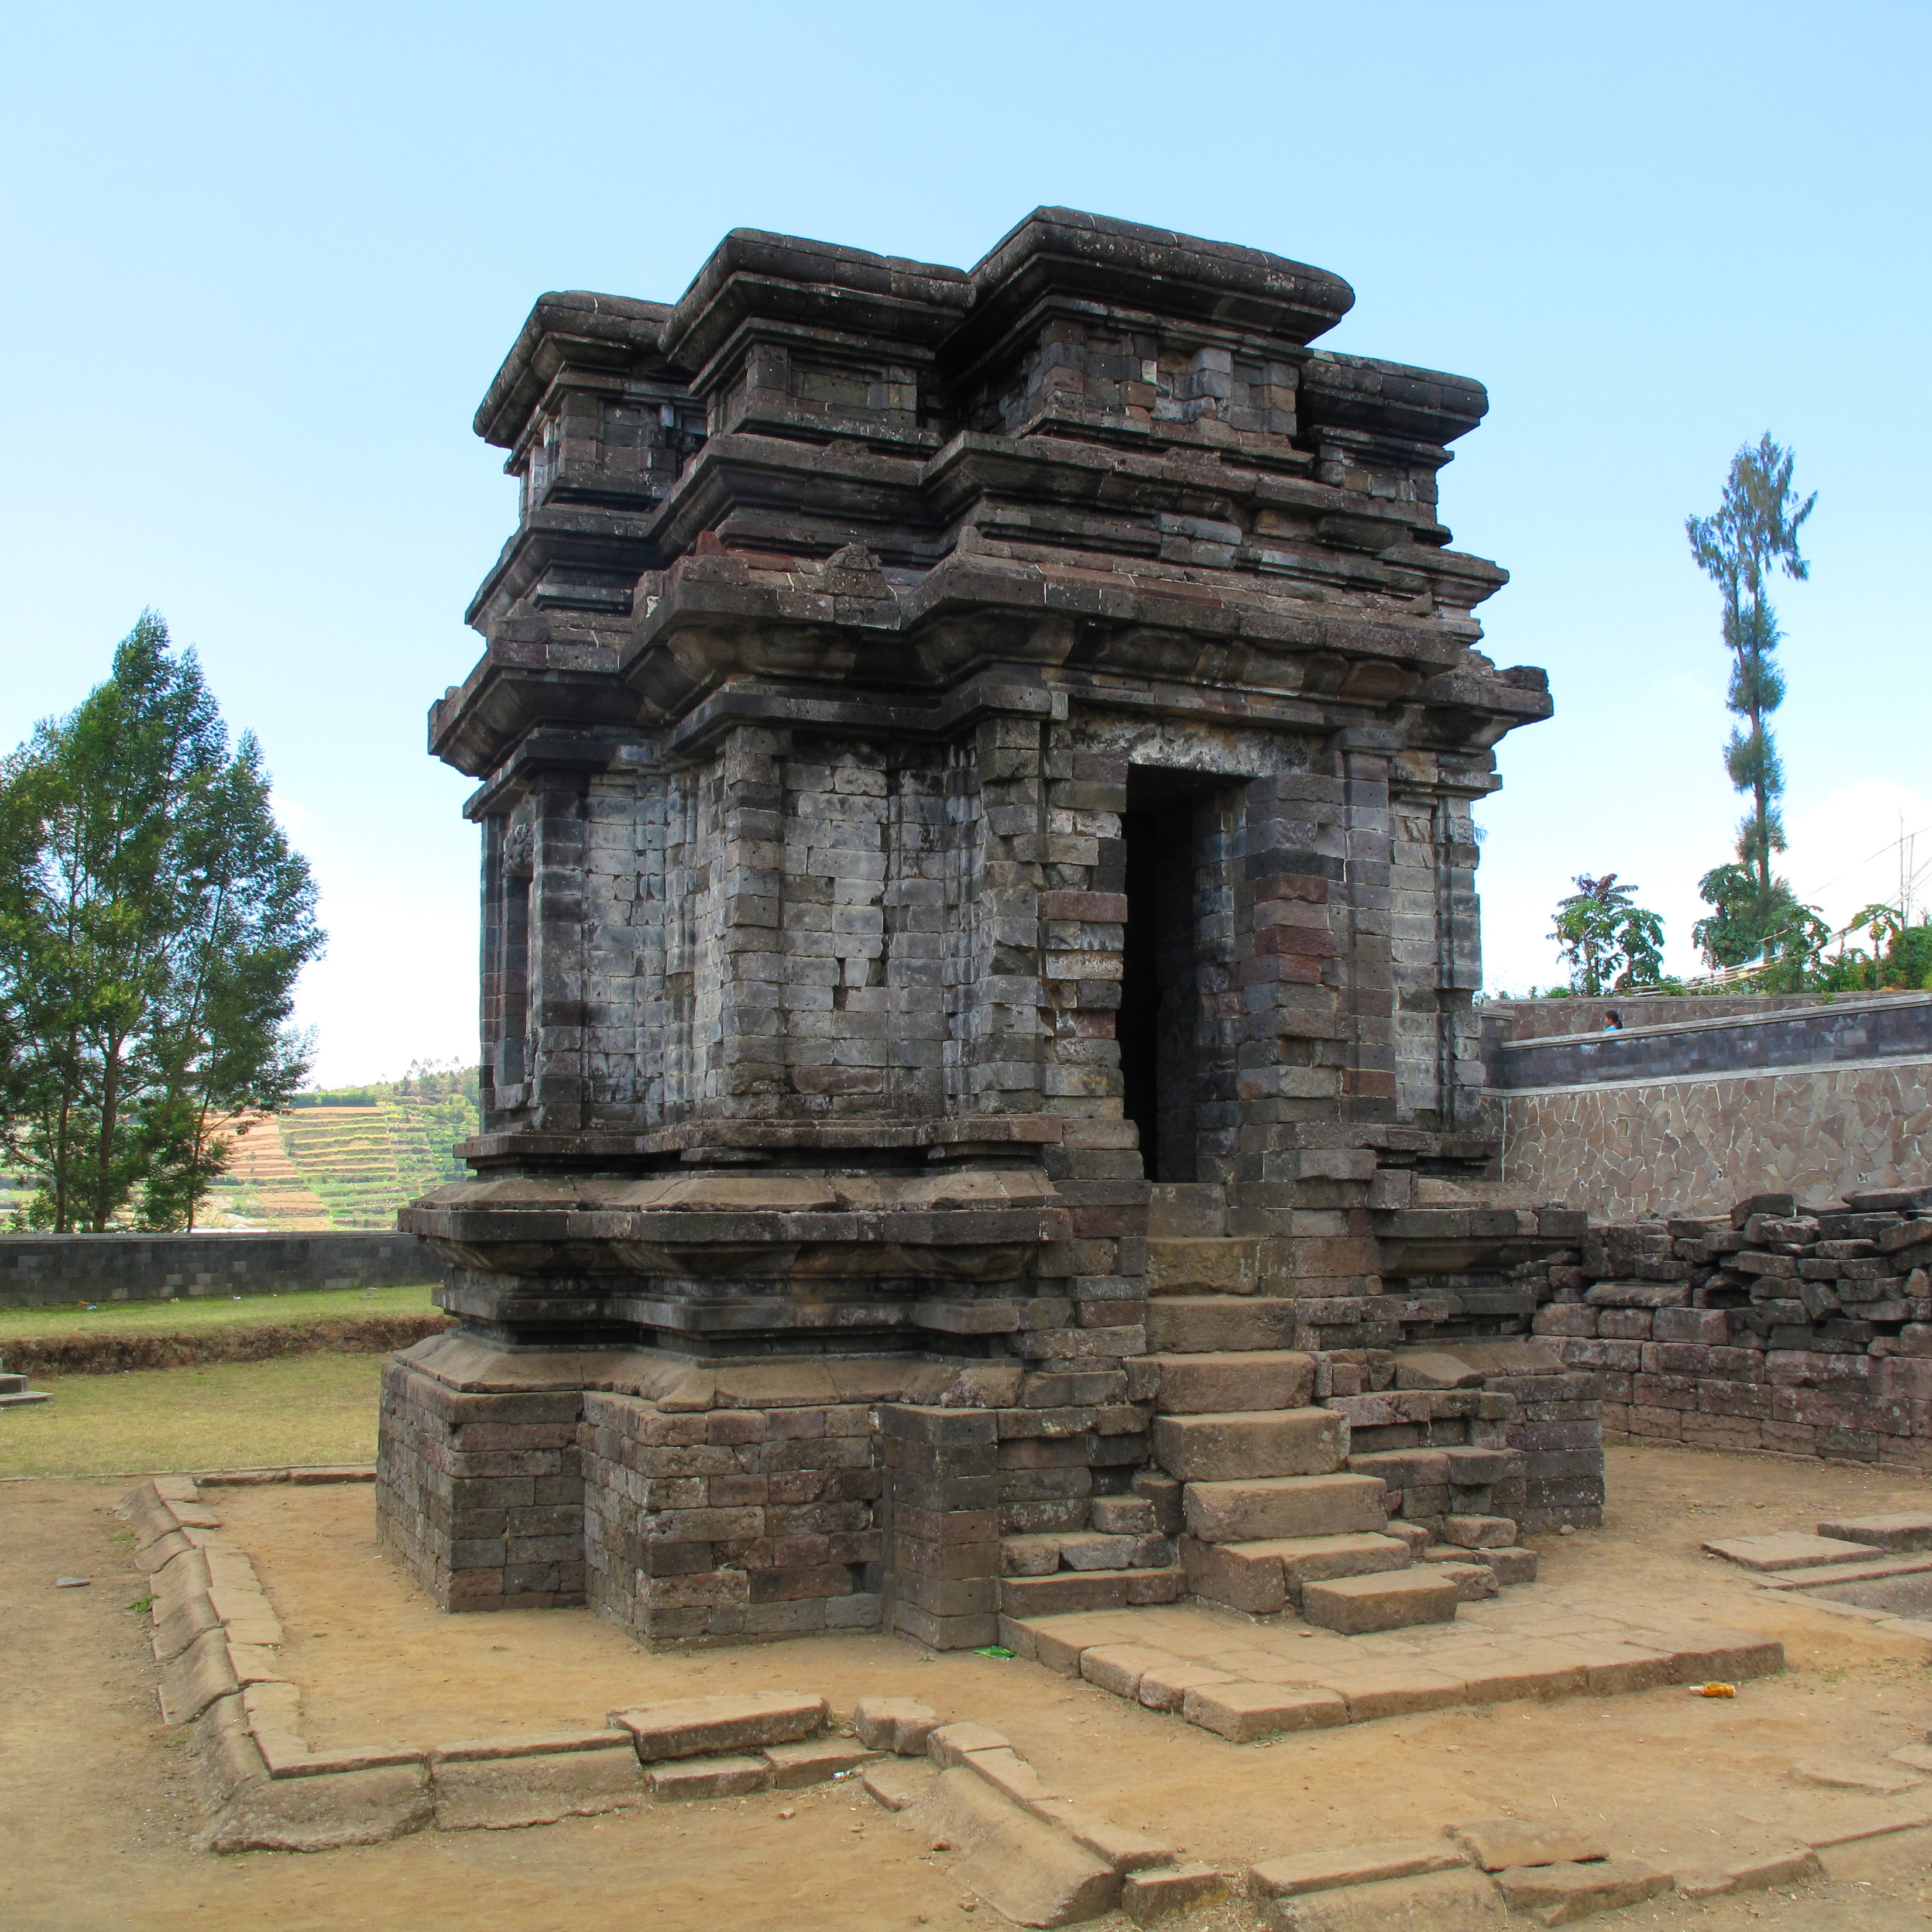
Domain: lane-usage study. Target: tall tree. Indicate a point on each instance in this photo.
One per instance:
(153, 919)
(1610, 944)
(1752, 535)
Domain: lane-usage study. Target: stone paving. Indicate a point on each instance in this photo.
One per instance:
(1247, 1679)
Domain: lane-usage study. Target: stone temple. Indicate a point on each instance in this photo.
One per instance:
(979, 942)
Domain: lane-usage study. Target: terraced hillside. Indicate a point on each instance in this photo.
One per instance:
(347, 1159)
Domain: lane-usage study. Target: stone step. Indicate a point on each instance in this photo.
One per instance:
(1396, 1600)
(1179, 1210)
(1285, 1506)
(1906, 1563)
(1079, 1590)
(12, 1385)
(1223, 1447)
(1221, 1381)
(1456, 1470)
(1787, 1549)
(1908, 1530)
(1214, 1324)
(1264, 1577)
(20, 1399)
(1198, 1265)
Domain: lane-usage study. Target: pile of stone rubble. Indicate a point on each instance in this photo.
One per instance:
(1807, 1329)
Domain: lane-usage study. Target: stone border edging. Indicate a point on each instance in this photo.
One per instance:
(1035, 1855)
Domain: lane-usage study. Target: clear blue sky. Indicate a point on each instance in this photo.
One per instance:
(263, 260)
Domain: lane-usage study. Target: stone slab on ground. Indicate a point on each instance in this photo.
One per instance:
(1787, 1549)
(1498, 1651)
(1908, 1529)
(692, 1726)
(1451, 1901)
(1147, 1897)
(500, 1793)
(1495, 1844)
(1034, 1874)
(897, 1784)
(812, 1762)
(1821, 1576)
(1355, 1864)
(1242, 1712)
(1560, 1895)
(1757, 1872)
(730, 1775)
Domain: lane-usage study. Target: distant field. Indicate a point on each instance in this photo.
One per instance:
(228, 1415)
(132, 1317)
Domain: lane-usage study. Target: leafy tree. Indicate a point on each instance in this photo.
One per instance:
(153, 919)
(1610, 944)
(1752, 534)
(1900, 955)
(1743, 924)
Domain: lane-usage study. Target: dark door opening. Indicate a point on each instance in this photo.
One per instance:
(1158, 1023)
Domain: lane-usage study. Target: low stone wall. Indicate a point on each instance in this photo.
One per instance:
(1691, 1145)
(1802, 1330)
(47, 1270)
(1884, 1026)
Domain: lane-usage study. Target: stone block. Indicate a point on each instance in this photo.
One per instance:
(1559, 1894)
(1222, 1447)
(1904, 1530)
(693, 1727)
(1124, 1515)
(1354, 1864)
(1479, 1532)
(475, 1792)
(1147, 1898)
(901, 1724)
(1285, 1506)
(731, 1775)
(1356, 1605)
(1241, 1712)
(1032, 1872)
(1511, 1566)
(1449, 1901)
(1496, 1843)
(1119, 1667)
(1788, 1549)
(1204, 1383)
(897, 1784)
(813, 1761)
(1209, 1323)
(1164, 1687)
(948, 1746)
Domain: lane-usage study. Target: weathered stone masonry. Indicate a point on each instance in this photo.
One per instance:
(966, 760)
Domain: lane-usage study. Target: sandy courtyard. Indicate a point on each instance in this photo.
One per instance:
(99, 1811)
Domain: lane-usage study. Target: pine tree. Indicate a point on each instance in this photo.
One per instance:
(153, 919)
(1752, 533)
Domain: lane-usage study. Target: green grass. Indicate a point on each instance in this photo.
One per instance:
(228, 1415)
(202, 1311)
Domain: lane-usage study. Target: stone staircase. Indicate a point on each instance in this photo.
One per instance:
(1363, 1512)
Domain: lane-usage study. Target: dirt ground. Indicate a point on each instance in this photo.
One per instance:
(96, 1804)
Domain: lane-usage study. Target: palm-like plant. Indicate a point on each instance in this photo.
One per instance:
(1610, 943)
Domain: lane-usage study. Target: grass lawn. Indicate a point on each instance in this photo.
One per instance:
(204, 1311)
(226, 1415)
